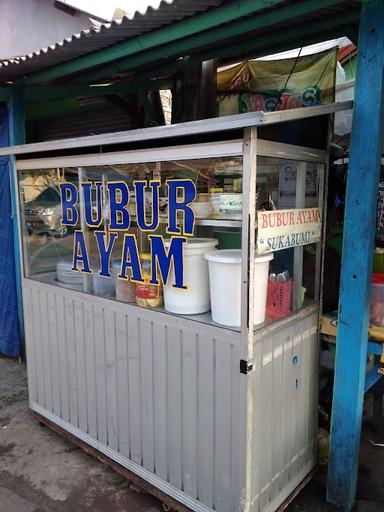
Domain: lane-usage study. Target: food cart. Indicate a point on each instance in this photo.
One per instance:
(216, 417)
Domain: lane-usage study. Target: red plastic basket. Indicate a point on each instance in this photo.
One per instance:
(279, 298)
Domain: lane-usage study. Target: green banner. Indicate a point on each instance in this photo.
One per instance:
(268, 85)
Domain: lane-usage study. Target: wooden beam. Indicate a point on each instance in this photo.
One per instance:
(356, 268)
(208, 89)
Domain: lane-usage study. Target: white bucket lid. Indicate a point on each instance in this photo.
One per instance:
(197, 243)
(234, 256)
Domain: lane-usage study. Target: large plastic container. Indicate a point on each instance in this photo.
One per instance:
(196, 299)
(228, 239)
(377, 299)
(225, 286)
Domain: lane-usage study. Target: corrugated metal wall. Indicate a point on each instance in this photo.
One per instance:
(161, 391)
(284, 384)
(165, 393)
(108, 119)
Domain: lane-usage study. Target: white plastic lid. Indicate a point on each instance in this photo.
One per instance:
(234, 256)
(197, 243)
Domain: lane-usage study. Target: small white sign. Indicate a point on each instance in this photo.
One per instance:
(282, 229)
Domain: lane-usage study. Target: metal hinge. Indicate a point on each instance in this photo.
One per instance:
(245, 366)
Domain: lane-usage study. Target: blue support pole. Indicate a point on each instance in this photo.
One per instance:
(356, 268)
(16, 136)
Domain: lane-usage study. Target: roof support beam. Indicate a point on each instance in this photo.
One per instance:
(291, 38)
(193, 25)
(234, 50)
(216, 35)
(174, 40)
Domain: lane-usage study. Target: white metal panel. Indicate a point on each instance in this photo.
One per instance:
(205, 420)
(110, 375)
(146, 341)
(122, 383)
(90, 368)
(174, 405)
(101, 383)
(206, 150)
(134, 390)
(223, 455)
(183, 423)
(30, 347)
(216, 124)
(37, 340)
(160, 398)
(54, 353)
(283, 408)
(80, 366)
(71, 358)
(158, 391)
(46, 349)
(190, 412)
(62, 341)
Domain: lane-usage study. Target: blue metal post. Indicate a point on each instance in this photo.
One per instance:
(358, 244)
(16, 136)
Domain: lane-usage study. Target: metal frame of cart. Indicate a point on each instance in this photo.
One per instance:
(216, 419)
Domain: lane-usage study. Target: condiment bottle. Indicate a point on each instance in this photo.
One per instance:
(148, 295)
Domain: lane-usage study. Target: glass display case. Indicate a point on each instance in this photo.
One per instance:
(205, 389)
(283, 183)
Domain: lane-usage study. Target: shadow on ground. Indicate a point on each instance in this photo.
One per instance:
(42, 472)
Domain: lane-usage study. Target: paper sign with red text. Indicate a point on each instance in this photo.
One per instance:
(282, 229)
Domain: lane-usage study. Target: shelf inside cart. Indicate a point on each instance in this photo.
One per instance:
(231, 221)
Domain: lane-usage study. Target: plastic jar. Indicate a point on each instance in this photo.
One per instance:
(225, 286)
(125, 288)
(377, 299)
(196, 299)
(148, 295)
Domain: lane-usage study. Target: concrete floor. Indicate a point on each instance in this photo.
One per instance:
(41, 472)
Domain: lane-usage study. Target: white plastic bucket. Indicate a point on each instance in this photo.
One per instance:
(225, 286)
(196, 299)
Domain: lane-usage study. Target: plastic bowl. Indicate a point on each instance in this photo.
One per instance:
(202, 210)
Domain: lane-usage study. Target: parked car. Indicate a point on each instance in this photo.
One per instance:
(43, 214)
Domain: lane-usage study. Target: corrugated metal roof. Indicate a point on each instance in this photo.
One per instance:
(346, 53)
(88, 41)
(329, 20)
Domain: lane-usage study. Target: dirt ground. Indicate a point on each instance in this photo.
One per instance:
(42, 472)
